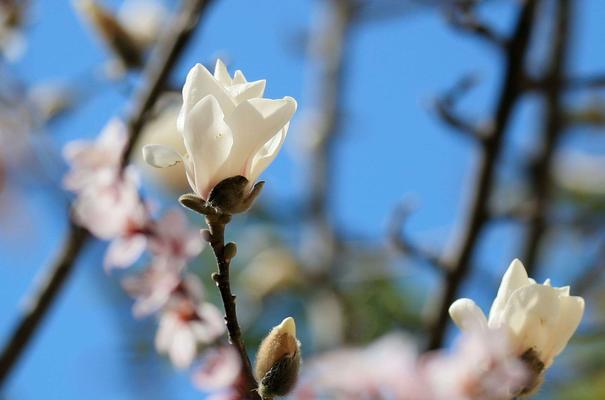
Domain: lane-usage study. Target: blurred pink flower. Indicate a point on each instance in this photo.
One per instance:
(87, 158)
(481, 366)
(110, 206)
(125, 250)
(384, 369)
(154, 287)
(172, 242)
(219, 372)
(184, 326)
(107, 202)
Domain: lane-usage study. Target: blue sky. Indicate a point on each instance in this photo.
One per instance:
(391, 146)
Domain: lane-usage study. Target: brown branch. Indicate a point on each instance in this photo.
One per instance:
(483, 182)
(224, 254)
(585, 82)
(155, 74)
(465, 20)
(554, 117)
(332, 40)
(42, 298)
(444, 106)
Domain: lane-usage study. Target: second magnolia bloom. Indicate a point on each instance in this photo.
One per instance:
(539, 319)
(228, 129)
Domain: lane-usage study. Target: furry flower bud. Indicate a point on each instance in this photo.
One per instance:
(278, 360)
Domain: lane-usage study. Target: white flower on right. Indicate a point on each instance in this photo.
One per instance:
(228, 129)
(538, 318)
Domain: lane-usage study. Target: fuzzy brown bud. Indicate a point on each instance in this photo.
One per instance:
(230, 250)
(278, 361)
(113, 33)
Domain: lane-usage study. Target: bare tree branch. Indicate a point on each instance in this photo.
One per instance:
(155, 74)
(464, 19)
(554, 119)
(445, 104)
(407, 246)
(483, 182)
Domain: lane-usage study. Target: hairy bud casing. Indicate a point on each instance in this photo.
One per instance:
(278, 360)
(230, 196)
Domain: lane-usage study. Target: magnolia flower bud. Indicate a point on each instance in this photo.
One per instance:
(115, 35)
(231, 134)
(539, 319)
(278, 360)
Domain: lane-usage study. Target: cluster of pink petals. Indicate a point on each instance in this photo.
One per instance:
(219, 374)
(109, 206)
(479, 367)
(185, 325)
(107, 201)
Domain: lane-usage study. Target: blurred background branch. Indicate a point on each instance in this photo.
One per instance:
(483, 182)
(155, 74)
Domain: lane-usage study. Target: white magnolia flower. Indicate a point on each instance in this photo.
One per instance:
(228, 128)
(540, 318)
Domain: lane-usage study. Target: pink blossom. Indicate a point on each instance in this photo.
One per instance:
(110, 205)
(151, 289)
(87, 158)
(154, 287)
(482, 366)
(107, 202)
(384, 369)
(219, 373)
(172, 241)
(183, 326)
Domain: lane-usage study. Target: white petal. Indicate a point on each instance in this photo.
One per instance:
(254, 123)
(531, 315)
(265, 156)
(183, 349)
(239, 78)
(514, 278)
(247, 91)
(208, 141)
(199, 84)
(570, 315)
(160, 156)
(124, 251)
(221, 74)
(467, 315)
(165, 333)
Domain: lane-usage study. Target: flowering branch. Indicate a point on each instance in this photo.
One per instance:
(478, 216)
(155, 74)
(555, 124)
(224, 253)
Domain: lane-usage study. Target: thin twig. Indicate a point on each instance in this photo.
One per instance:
(407, 246)
(216, 229)
(554, 118)
(44, 294)
(466, 21)
(444, 106)
(478, 215)
(155, 74)
(333, 44)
